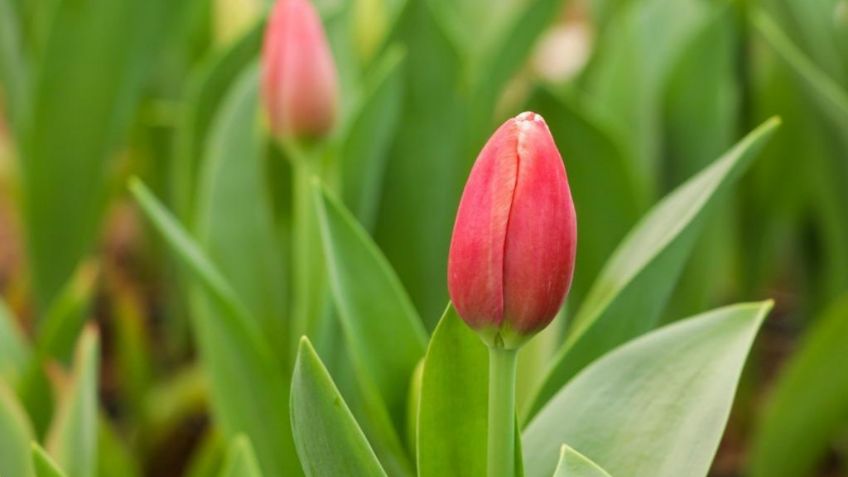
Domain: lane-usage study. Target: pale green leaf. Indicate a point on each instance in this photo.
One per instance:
(235, 223)
(808, 406)
(626, 299)
(452, 415)
(14, 350)
(657, 405)
(240, 460)
(327, 437)
(385, 336)
(72, 438)
(15, 436)
(575, 464)
(44, 465)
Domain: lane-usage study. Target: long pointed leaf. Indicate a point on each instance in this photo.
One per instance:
(328, 439)
(72, 438)
(240, 461)
(575, 464)
(15, 436)
(248, 382)
(656, 406)
(629, 294)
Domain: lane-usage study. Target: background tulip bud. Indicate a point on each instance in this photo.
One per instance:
(514, 241)
(299, 80)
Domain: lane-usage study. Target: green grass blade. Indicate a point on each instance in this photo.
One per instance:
(15, 436)
(240, 460)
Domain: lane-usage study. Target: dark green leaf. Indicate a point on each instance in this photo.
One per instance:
(809, 403)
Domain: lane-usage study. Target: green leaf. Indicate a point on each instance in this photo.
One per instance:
(14, 350)
(14, 88)
(424, 179)
(592, 155)
(85, 87)
(366, 143)
(44, 464)
(385, 337)
(575, 464)
(452, 415)
(72, 438)
(674, 385)
(327, 437)
(15, 436)
(808, 406)
(235, 223)
(626, 77)
(830, 96)
(115, 459)
(629, 294)
(207, 88)
(240, 460)
(63, 321)
(247, 380)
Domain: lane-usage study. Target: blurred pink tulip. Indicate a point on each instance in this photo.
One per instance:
(299, 79)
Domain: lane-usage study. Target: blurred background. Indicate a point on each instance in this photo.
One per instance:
(639, 94)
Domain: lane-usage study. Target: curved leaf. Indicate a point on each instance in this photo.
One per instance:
(656, 406)
(385, 336)
(72, 438)
(592, 155)
(235, 223)
(575, 464)
(85, 85)
(832, 99)
(247, 380)
(240, 460)
(626, 299)
(44, 465)
(809, 403)
(364, 150)
(207, 88)
(327, 437)
(14, 350)
(452, 416)
(15, 436)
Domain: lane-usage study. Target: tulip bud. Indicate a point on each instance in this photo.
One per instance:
(514, 241)
(299, 81)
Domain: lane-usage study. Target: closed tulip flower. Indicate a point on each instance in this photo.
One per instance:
(513, 246)
(299, 79)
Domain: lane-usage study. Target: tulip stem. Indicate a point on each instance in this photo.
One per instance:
(501, 452)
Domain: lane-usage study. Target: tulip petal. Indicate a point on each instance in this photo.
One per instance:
(541, 237)
(475, 264)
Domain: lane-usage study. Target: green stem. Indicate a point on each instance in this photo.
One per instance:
(501, 451)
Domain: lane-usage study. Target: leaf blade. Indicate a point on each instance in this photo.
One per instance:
(675, 384)
(328, 439)
(638, 277)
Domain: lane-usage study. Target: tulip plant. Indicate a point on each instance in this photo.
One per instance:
(341, 327)
(370, 393)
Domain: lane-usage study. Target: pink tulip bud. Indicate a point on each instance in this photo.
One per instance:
(299, 81)
(513, 245)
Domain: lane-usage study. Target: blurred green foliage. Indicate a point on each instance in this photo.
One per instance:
(640, 95)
